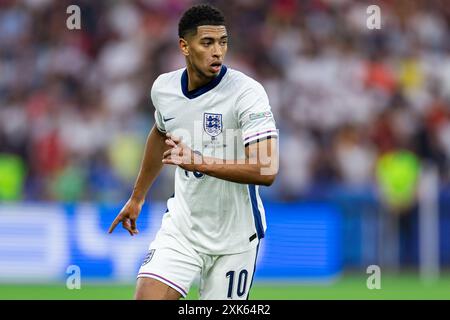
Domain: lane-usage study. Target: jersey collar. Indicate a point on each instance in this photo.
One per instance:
(203, 89)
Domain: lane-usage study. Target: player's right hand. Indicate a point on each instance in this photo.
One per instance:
(128, 216)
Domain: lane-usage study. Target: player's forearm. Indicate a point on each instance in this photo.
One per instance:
(248, 173)
(151, 164)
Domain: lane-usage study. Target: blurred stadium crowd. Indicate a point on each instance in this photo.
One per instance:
(75, 107)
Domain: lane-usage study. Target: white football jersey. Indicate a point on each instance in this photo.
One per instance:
(218, 120)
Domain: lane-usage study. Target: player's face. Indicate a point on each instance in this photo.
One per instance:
(205, 51)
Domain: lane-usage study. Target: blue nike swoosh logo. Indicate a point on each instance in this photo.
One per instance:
(168, 119)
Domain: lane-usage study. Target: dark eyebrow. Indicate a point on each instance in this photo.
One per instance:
(212, 39)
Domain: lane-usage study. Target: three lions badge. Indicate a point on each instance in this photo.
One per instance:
(212, 124)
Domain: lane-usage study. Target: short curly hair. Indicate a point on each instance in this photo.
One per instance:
(199, 15)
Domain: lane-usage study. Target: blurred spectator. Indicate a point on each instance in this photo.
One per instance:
(397, 175)
(12, 174)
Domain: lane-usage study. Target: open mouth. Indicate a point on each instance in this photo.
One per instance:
(215, 66)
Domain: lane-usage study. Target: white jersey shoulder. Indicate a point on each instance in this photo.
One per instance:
(252, 108)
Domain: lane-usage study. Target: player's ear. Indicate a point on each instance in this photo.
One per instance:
(184, 47)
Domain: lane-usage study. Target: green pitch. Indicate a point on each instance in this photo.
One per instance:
(347, 287)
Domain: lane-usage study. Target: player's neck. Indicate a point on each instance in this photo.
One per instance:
(195, 79)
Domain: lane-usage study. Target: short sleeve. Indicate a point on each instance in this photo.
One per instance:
(255, 116)
(158, 117)
(159, 122)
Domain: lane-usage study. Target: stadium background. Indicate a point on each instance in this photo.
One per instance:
(364, 119)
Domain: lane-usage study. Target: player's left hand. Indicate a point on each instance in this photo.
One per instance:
(180, 154)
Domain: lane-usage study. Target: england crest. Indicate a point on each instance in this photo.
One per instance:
(148, 257)
(212, 123)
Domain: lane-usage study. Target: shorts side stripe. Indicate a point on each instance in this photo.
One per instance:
(164, 280)
(254, 270)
